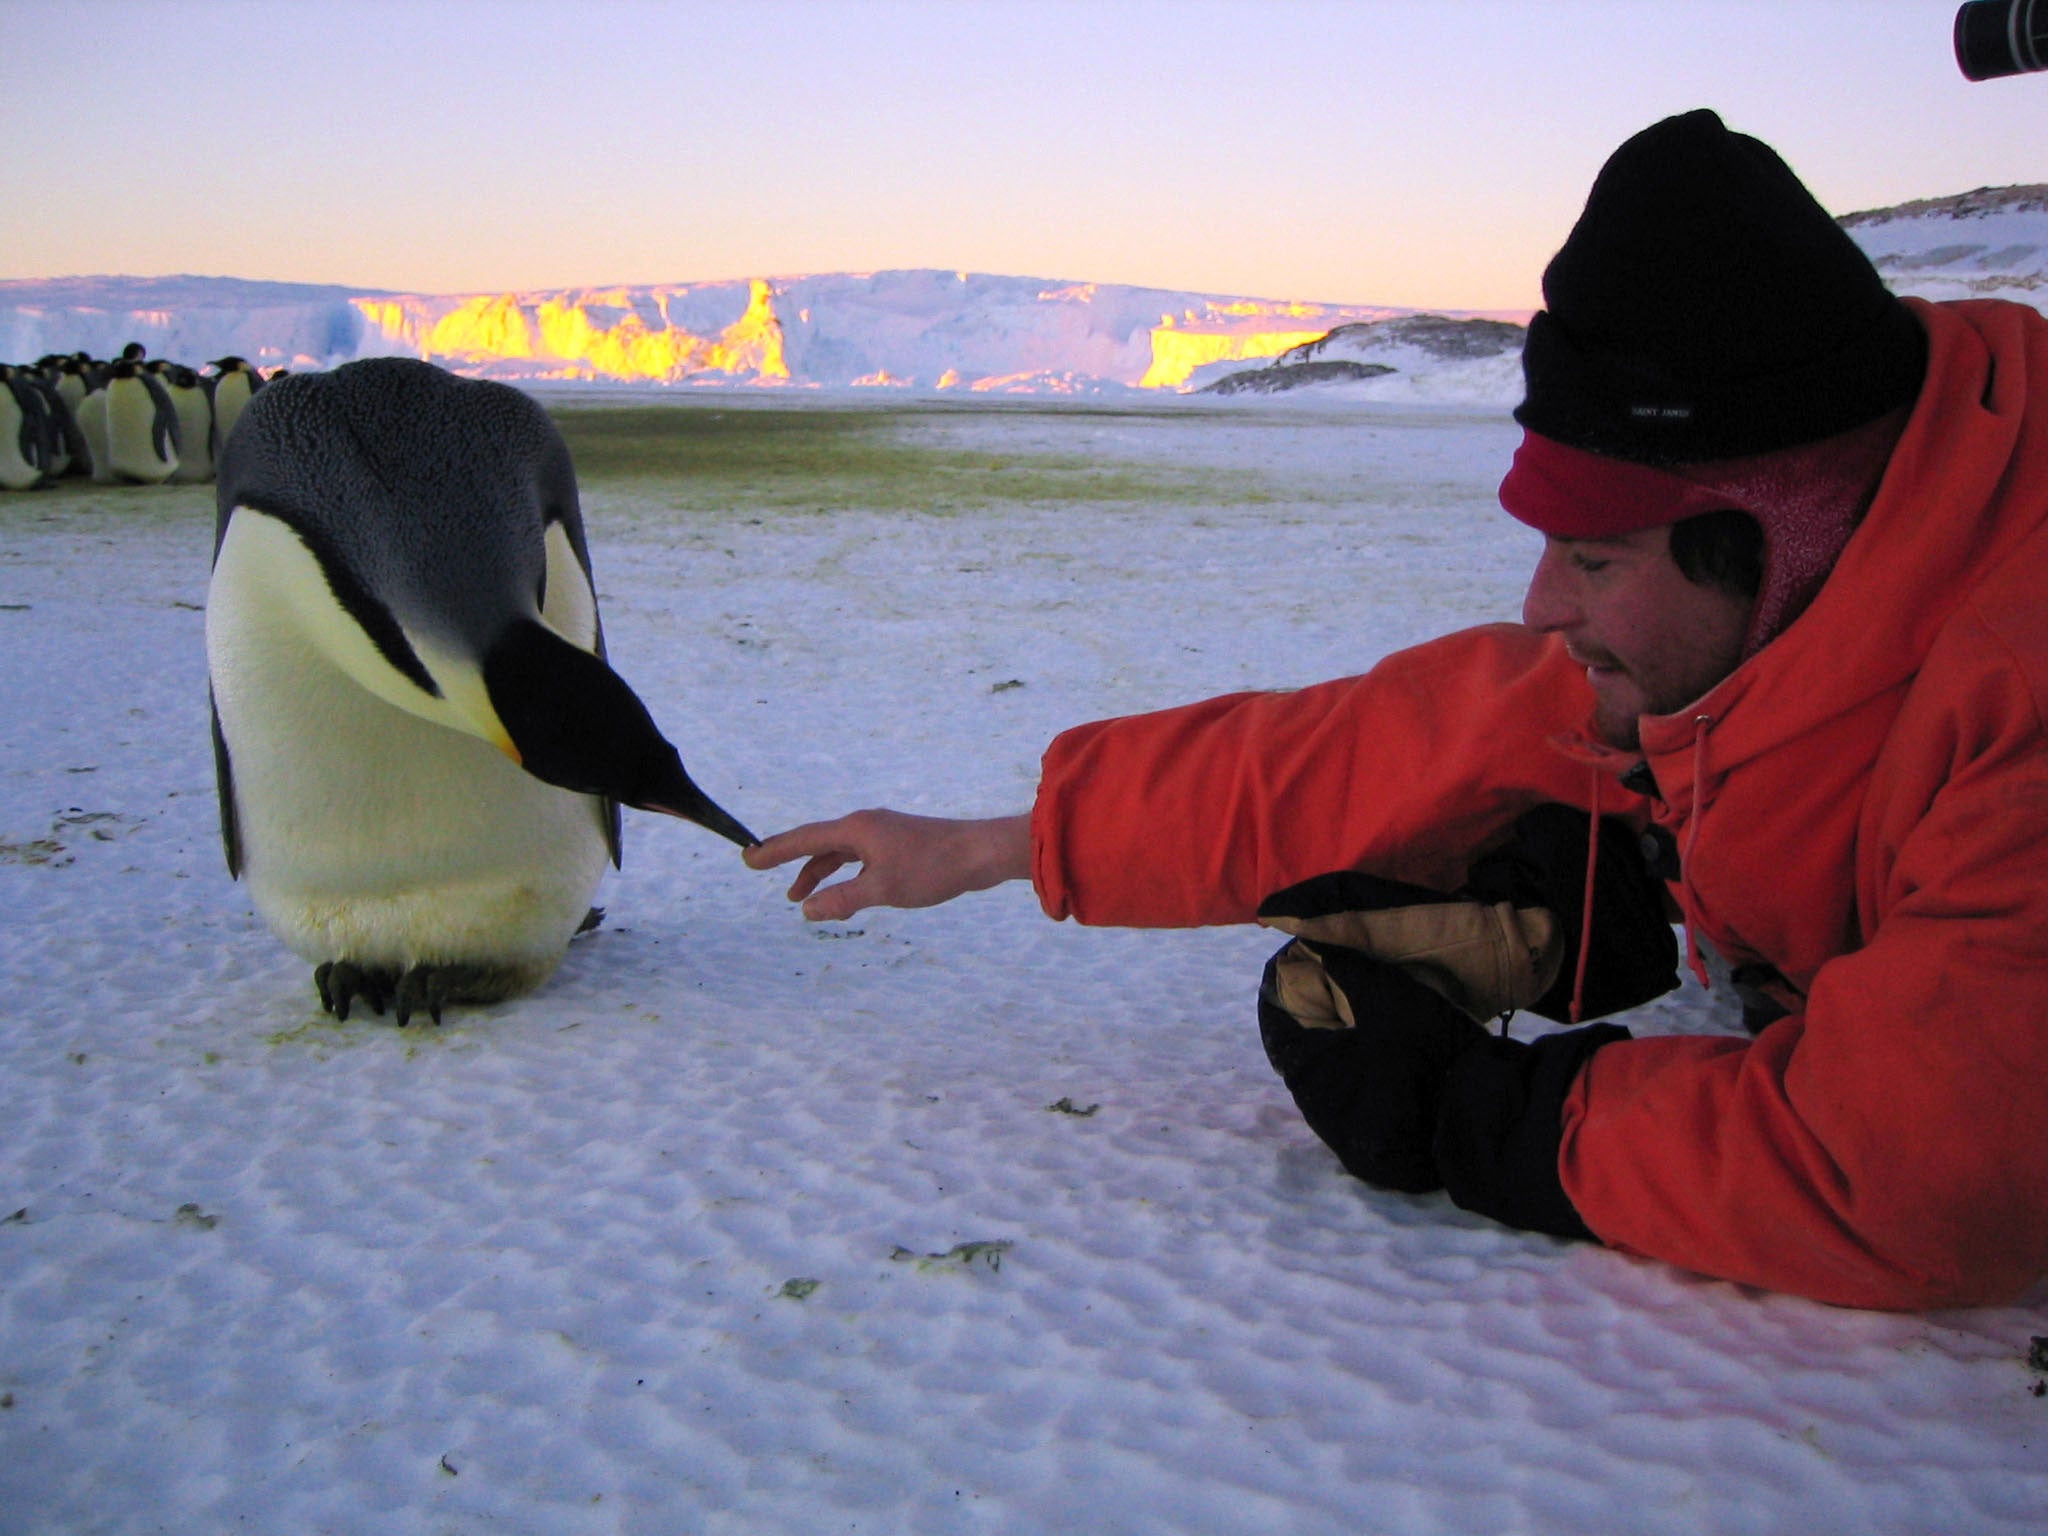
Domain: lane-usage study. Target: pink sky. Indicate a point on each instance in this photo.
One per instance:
(1359, 151)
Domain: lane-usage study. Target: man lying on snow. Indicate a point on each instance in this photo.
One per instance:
(1786, 649)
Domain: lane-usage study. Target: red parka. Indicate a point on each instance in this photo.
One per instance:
(1862, 806)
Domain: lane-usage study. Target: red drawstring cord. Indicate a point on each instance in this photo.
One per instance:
(1693, 957)
(1694, 815)
(1586, 912)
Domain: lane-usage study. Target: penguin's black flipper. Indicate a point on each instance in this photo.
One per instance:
(224, 786)
(614, 832)
(166, 434)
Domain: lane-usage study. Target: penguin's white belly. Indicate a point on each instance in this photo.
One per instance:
(134, 447)
(230, 395)
(195, 432)
(369, 834)
(18, 469)
(91, 416)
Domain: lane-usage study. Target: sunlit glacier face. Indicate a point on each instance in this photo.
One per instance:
(904, 329)
(624, 334)
(1177, 351)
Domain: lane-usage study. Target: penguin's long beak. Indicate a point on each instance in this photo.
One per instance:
(703, 810)
(575, 723)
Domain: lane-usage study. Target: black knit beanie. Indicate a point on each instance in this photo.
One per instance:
(1705, 306)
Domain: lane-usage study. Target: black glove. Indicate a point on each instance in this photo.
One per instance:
(1501, 1120)
(1371, 1015)
(1366, 1060)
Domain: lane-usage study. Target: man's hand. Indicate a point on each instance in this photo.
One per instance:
(906, 861)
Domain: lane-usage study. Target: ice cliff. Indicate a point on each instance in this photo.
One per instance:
(925, 330)
(928, 330)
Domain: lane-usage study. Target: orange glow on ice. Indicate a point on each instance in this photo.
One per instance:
(559, 330)
(1177, 353)
(1082, 335)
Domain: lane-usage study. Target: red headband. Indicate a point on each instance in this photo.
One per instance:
(1568, 493)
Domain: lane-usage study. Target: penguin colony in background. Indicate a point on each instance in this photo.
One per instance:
(133, 419)
(421, 749)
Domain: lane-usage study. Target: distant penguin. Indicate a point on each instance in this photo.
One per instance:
(193, 403)
(74, 375)
(142, 426)
(26, 431)
(421, 750)
(91, 416)
(63, 431)
(234, 381)
(65, 382)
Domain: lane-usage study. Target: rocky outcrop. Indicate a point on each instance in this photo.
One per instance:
(1470, 360)
(1282, 377)
(1980, 204)
(1988, 244)
(1439, 336)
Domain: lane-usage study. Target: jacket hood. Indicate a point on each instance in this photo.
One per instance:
(1953, 505)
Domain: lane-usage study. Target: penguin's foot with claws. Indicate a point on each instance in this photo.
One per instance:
(343, 983)
(419, 988)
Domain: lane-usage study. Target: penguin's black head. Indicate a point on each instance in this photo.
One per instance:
(578, 726)
(425, 497)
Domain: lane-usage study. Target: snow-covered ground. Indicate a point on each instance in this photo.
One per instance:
(956, 1220)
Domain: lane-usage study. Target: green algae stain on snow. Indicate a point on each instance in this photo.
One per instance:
(823, 458)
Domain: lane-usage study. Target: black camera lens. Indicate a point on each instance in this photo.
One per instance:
(2002, 37)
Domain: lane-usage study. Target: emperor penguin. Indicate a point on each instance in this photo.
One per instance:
(234, 381)
(26, 431)
(73, 376)
(193, 404)
(421, 750)
(91, 416)
(142, 425)
(67, 447)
